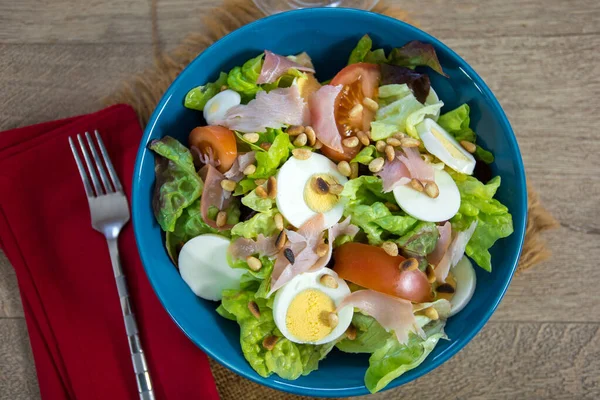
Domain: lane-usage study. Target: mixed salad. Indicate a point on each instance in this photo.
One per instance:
(330, 214)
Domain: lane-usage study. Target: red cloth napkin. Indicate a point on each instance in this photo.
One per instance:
(65, 276)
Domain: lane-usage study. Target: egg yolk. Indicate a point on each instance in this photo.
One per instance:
(449, 146)
(306, 317)
(316, 193)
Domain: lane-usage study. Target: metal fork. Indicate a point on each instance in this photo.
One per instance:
(110, 212)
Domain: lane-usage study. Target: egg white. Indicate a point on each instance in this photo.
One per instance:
(291, 182)
(425, 208)
(466, 280)
(203, 266)
(310, 280)
(215, 108)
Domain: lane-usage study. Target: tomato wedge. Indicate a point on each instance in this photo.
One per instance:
(217, 140)
(371, 267)
(360, 80)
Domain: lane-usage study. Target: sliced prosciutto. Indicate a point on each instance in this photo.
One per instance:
(337, 230)
(213, 195)
(274, 66)
(407, 165)
(235, 173)
(274, 109)
(391, 312)
(455, 252)
(442, 244)
(242, 247)
(417, 167)
(394, 174)
(322, 114)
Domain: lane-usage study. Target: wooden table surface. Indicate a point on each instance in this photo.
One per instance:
(541, 59)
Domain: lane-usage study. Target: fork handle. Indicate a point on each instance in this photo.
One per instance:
(140, 366)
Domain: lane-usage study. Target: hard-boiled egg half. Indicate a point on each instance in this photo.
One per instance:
(215, 108)
(459, 286)
(304, 189)
(203, 266)
(442, 145)
(305, 308)
(425, 208)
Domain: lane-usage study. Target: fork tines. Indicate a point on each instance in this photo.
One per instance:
(95, 167)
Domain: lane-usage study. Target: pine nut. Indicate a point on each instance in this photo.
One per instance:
(322, 249)
(432, 314)
(300, 140)
(259, 182)
(249, 170)
(224, 87)
(354, 169)
(336, 188)
(295, 130)
(318, 144)
(390, 248)
(428, 158)
(261, 192)
(410, 142)
(430, 272)
(320, 186)
(432, 190)
(416, 185)
(265, 146)
(228, 185)
(301, 154)
(410, 264)
(376, 164)
(253, 307)
(311, 135)
(392, 141)
(364, 139)
(281, 240)
(351, 332)
(221, 219)
(468, 146)
(278, 218)
(355, 111)
(380, 146)
(391, 206)
(351, 141)
(333, 320)
(269, 342)
(445, 288)
(251, 137)
(328, 281)
(370, 104)
(254, 263)
(344, 168)
(272, 187)
(399, 135)
(390, 154)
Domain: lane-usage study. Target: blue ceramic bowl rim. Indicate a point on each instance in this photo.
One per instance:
(457, 343)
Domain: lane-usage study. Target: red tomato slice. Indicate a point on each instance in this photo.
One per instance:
(371, 267)
(221, 140)
(360, 80)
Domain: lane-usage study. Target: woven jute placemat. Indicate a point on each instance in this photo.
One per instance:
(144, 90)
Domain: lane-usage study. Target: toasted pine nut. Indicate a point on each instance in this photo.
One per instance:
(224, 87)
(301, 154)
(410, 142)
(269, 342)
(376, 164)
(355, 111)
(390, 248)
(300, 140)
(322, 249)
(354, 169)
(428, 158)
(392, 206)
(328, 281)
(259, 182)
(390, 154)
(228, 185)
(249, 170)
(278, 218)
(445, 288)
(468, 146)
(265, 146)
(251, 137)
(272, 187)
(351, 332)
(295, 130)
(254, 263)
(351, 141)
(336, 188)
(432, 314)
(410, 264)
(318, 144)
(221, 219)
(370, 104)
(430, 272)
(380, 146)
(392, 141)
(253, 307)
(280, 240)
(416, 185)
(261, 192)
(432, 190)
(333, 319)
(364, 139)
(311, 135)
(319, 185)
(399, 135)
(344, 168)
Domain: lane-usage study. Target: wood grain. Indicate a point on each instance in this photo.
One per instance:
(58, 58)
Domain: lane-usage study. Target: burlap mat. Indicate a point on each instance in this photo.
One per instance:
(144, 91)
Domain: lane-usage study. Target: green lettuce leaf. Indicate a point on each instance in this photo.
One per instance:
(197, 97)
(257, 203)
(420, 240)
(394, 359)
(260, 223)
(370, 335)
(244, 186)
(263, 137)
(177, 183)
(415, 54)
(224, 313)
(361, 50)
(493, 219)
(366, 155)
(243, 79)
(376, 56)
(267, 162)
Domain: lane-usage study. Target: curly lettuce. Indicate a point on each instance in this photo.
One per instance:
(456, 123)
(268, 162)
(197, 97)
(261, 223)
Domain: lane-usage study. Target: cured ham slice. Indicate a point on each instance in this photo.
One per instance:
(407, 165)
(394, 174)
(275, 65)
(322, 114)
(242, 247)
(213, 195)
(455, 252)
(442, 244)
(417, 167)
(391, 312)
(274, 109)
(236, 173)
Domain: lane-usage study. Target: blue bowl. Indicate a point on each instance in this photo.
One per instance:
(328, 35)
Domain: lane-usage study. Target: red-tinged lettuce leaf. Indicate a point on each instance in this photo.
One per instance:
(417, 82)
(414, 54)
